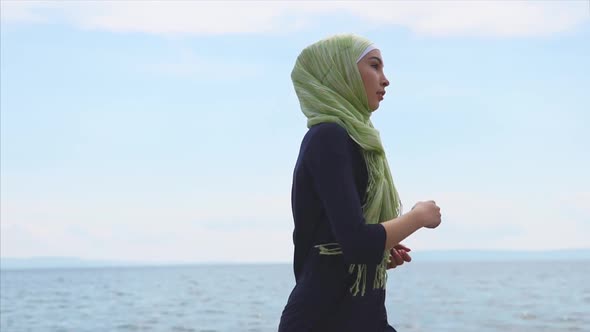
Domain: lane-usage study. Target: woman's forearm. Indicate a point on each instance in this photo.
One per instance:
(400, 228)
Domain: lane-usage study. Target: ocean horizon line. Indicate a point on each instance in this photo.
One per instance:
(443, 255)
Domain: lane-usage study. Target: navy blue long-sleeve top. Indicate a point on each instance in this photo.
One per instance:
(329, 185)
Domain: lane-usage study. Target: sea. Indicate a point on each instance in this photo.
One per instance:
(519, 296)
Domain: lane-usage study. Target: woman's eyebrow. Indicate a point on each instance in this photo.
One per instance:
(376, 58)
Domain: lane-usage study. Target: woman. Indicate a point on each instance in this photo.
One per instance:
(346, 209)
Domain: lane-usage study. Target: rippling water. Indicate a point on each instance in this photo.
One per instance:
(427, 296)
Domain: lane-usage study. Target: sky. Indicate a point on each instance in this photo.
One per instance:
(168, 131)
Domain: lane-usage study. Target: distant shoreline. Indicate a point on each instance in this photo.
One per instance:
(9, 263)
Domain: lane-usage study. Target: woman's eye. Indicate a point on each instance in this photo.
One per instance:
(375, 66)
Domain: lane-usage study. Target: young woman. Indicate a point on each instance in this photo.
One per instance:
(347, 213)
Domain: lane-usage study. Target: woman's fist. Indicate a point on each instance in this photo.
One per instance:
(428, 214)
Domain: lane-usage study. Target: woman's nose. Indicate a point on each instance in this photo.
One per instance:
(385, 81)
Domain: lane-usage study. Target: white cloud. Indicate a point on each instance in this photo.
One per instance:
(21, 11)
(217, 226)
(257, 227)
(431, 18)
(476, 18)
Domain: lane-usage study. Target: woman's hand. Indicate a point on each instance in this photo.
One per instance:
(399, 255)
(428, 214)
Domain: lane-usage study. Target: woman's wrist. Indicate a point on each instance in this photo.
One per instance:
(415, 219)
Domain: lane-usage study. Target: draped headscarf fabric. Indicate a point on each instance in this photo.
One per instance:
(330, 89)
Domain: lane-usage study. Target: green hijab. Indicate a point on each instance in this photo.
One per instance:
(330, 89)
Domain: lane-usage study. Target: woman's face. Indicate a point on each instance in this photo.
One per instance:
(371, 69)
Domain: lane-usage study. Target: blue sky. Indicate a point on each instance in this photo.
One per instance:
(161, 131)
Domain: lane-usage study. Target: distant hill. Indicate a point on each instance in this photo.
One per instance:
(417, 256)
